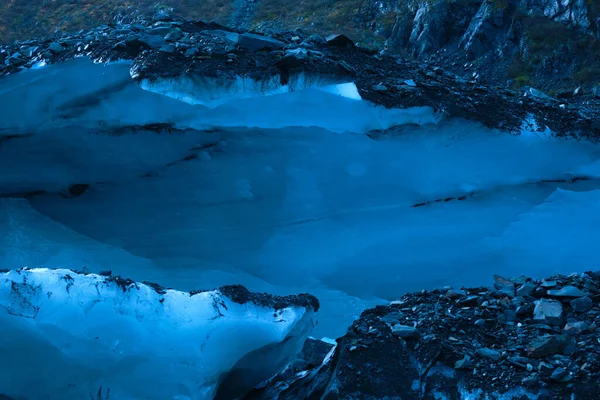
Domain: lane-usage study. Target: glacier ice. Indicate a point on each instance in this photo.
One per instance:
(96, 96)
(67, 335)
(282, 193)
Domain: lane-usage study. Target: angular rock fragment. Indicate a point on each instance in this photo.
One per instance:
(545, 346)
(548, 312)
(567, 291)
(256, 42)
(526, 289)
(405, 332)
(488, 354)
(504, 285)
(582, 304)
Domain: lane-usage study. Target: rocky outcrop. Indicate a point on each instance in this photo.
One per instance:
(519, 339)
(552, 44)
(520, 41)
(178, 49)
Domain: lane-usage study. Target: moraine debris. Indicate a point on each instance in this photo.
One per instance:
(500, 344)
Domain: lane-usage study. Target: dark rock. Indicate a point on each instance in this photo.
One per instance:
(520, 280)
(255, 42)
(16, 60)
(504, 286)
(539, 95)
(313, 353)
(161, 31)
(522, 362)
(56, 47)
(392, 318)
(168, 48)
(548, 311)
(567, 291)
(317, 39)
(575, 328)
(582, 304)
(174, 35)
(526, 289)
(239, 294)
(509, 316)
(454, 294)
(488, 354)
(561, 375)
(546, 346)
(192, 51)
(28, 51)
(470, 301)
(405, 332)
(152, 41)
(340, 41)
(526, 309)
(531, 381)
(463, 363)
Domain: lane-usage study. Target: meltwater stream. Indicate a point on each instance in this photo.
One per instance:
(284, 193)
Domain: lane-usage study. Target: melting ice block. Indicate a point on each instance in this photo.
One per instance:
(67, 335)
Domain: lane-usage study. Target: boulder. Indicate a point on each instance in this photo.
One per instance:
(56, 47)
(489, 354)
(253, 42)
(567, 291)
(174, 35)
(548, 312)
(405, 332)
(340, 41)
(581, 304)
(525, 289)
(504, 285)
(16, 59)
(545, 346)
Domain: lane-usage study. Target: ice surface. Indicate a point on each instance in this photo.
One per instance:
(306, 209)
(96, 96)
(285, 192)
(67, 335)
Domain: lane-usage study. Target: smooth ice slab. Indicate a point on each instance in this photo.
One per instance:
(71, 336)
(309, 208)
(559, 234)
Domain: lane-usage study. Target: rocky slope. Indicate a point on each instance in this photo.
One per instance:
(549, 44)
(521, 339)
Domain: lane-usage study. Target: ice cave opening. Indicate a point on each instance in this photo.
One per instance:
(283, 191)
